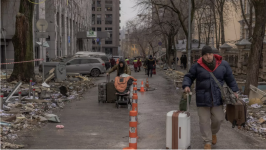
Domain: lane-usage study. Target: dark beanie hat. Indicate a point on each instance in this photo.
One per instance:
(206, 49)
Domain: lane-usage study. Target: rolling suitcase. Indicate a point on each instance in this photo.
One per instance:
(237, 113)
(102, 92)
(110, 91)
(178, 131)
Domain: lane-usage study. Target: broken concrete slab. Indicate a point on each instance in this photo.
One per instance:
(52, 118)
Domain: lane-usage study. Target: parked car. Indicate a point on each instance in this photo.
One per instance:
(116, 57)
(105, 59)
(87, 53)
(84, 65)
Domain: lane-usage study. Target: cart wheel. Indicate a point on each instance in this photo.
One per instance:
(116, 105)
(189, 147)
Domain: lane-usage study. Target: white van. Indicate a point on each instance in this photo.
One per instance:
(86, 54)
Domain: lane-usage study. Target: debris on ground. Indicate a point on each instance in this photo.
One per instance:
(31, 112)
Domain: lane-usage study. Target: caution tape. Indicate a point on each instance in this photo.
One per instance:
(21, 62)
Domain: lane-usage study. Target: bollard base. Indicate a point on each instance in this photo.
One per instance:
(128, 148)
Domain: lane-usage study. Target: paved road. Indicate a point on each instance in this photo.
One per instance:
(89, 125)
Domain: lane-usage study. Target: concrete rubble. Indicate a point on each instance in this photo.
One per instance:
(34, 112)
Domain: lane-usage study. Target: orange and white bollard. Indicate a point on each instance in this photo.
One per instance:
(133, 123)
(33, 92)
(142, 87)
(1, 100)
(135, 97)
(19, 96)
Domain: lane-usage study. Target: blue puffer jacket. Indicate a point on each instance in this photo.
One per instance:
(207, 91)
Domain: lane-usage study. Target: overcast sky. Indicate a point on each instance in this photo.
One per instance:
(127, 11)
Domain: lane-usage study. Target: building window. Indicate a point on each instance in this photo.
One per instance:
(108, 42)
(99, 19)
(93, 19)
(108, 9)
(108, 2)
(99, 9)
(108, 29)
(93, 9)
(99, 29)
(93, 29)
(108, 16)
(108, 22)
(98, 2)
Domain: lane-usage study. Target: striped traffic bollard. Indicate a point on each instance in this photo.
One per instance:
(1, 100)
(30, 86)
(33, 92)
(135, 97)
(133, 123)
(19, 96)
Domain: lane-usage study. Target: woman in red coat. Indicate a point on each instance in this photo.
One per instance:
(139, 63)
(135, 63)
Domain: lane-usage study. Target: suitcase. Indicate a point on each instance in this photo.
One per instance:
(178, 131)
(110, 91)
(102, 92)
(237, 113)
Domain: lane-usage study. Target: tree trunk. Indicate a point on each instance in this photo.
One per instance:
(168, 52)
(215, 26)
(250, 21)
(222, 26)
(22, 41)
(256, 46)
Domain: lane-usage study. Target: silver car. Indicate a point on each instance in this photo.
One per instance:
(86, 65)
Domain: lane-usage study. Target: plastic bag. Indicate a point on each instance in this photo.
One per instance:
(183, 102)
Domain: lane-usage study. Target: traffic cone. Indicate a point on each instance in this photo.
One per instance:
(147, 84)
(142, 87)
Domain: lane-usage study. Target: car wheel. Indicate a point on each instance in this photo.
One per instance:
(95, 72)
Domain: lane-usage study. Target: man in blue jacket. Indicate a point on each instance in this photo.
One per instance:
(208, 95)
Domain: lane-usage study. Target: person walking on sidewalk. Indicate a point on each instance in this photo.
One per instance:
(139, 64)
(208, 95)
(185, 62)
(135, 63)
(150, 65)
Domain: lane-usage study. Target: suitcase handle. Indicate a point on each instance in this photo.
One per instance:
(107, 78)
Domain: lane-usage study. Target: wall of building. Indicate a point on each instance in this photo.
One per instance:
(65, 19)
(9, 10)
(99, 8)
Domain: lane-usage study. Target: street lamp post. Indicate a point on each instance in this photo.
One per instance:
(42, 25)
(4, 35)
(189, 35)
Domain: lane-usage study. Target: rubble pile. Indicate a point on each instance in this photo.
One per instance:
(35, 110)
(256, 116)
(176, 75)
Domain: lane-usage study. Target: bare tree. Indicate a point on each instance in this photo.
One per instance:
(248, 23)
(257, 43)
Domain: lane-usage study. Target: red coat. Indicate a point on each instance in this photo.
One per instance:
(139, 63)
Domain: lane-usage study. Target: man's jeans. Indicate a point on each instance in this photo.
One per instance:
(207, 128)
(149, 72)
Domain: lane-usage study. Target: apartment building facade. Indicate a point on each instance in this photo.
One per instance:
(65, 19)
(106, 17)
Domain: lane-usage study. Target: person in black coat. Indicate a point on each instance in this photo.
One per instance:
(150, 64)
(185, 61)
(208, 94)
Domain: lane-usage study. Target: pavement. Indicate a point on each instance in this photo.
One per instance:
(90, 125)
